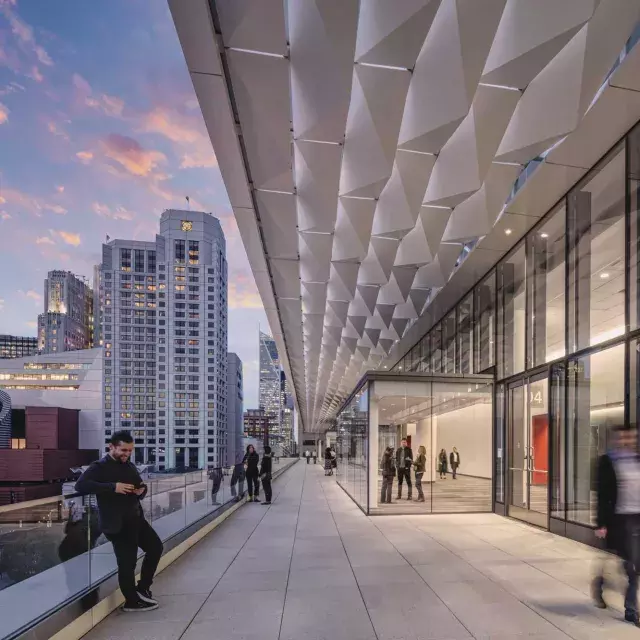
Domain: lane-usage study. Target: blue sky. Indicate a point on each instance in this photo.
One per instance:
(100, 132)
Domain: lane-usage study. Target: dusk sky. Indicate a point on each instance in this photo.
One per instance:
(100, 131)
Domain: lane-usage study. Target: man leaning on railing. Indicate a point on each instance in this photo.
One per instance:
(119, 488)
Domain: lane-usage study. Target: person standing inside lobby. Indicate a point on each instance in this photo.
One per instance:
(454, 459)
(421, 466)
(388, 473)
(404, 462)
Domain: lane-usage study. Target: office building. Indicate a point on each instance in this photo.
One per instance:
(420, 220)
(163, 314)
(70, 380)
(17, 346)
(235, 401)
(5, 420)
(270, 391)
(67, 321)
(257, 425)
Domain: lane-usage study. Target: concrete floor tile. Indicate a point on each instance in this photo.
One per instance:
(118, 628)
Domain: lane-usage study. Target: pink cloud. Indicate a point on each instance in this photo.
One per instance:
(243, 293)
(186, 132)
(60, 188)
(32, 295)
(44, 240)
(84, 156)
(109, 105)
(68, 237)
(35, 74)
(19, 202)
(4, 113)
(57, 130)
(131, 157)
(118, 213)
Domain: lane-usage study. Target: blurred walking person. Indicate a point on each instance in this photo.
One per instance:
(265, 474)
(118, 488)
(252, 474)
(618, 515)
(388, 473)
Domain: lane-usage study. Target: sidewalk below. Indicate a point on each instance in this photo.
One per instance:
(313, 567)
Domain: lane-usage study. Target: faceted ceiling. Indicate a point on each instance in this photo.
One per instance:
(366, 146)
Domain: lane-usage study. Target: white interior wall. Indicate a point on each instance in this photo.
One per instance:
(468, 429)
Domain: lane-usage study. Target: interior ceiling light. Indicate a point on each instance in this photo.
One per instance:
(544, 235)
(604, 275)
(508, 232)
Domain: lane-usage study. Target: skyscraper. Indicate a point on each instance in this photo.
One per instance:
(163, 313)
(67, 321)
(270, 385)
(235, 400)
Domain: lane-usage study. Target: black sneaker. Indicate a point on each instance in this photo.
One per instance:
(632, 618)
(267, 502)
(145, 596)
(140, 605)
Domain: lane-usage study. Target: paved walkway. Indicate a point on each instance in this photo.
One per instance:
(313, 567)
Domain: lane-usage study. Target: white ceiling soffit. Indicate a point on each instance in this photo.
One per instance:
(363, 144)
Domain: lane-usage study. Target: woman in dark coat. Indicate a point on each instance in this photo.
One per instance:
(250, 461)
(388, 473)
(443, 463)
(420, 464)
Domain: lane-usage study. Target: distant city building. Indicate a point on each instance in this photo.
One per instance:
(17, 346)
(163, 324)
(235, 400)
(70, 380)
(67, 322)
(275, 396)
(5, 420)
(257, 424)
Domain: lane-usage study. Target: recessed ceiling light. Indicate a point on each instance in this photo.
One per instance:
(604, 275)
(508, 232)
(544, 235)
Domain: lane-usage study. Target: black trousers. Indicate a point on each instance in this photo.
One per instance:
(136, 533)
(253, 484)
(387, 486)
(404, 474)
(266, 486)
(216, 482)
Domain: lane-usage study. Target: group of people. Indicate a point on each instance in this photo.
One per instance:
(402, 463)
(118, 487)
(311, 455)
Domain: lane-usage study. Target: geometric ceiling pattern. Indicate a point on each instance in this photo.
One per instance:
(365, 145)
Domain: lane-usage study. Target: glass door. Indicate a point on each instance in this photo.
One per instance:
(528, 440)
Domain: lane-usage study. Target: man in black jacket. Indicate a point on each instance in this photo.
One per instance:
(618, 514)
(118, 488)
(265, 474)
(404, 461)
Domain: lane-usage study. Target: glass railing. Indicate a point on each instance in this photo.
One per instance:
(52, 551)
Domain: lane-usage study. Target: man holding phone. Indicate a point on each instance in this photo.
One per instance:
(118, 488)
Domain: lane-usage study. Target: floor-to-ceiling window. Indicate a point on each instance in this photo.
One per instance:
(558, 321)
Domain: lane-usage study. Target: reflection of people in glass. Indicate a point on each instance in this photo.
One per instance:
(215, 475)
(442, 464)
(618, 515)
(421, 466)
(237, 478)
(404, 462)
(80, 536)
(388, 472)
(455, 461)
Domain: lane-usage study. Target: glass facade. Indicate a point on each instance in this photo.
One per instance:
(446, 422)
(557, 323)
(352, 447)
